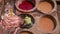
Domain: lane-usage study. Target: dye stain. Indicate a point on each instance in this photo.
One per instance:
(25, 5)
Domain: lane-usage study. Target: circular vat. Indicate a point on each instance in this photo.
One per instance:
(47, 24)
(26, 5)
(47, 6)
(28, 21)
(24, 32)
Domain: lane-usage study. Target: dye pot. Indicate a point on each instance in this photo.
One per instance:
(24, 32)
(47, 6)
(26, 5)
(28, 21)
(47, 24)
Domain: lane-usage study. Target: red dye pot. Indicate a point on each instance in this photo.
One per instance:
(25, 5)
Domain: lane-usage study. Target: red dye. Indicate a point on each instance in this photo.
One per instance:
(25, 5)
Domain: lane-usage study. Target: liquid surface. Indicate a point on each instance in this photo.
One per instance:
(25, 5)
(45, 24)
(45, 6)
